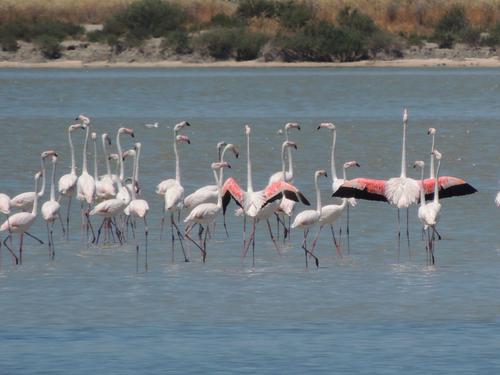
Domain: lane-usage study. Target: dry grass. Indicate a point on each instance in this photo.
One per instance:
(394, 15)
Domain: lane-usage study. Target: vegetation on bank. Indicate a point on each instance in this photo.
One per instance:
(287, 30)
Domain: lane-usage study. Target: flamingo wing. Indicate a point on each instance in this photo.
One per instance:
(448, 187)
(278, 189)
(362, 188)
(232, 189)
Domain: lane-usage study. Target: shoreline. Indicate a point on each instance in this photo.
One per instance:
(492, 62)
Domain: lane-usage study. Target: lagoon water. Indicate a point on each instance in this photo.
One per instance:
(375, 311)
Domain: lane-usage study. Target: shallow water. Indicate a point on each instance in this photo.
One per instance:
(376, 310)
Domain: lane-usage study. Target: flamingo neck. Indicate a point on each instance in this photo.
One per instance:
(436, 184)
(137, 156)
(422, 194)
(42, 190)
(177, 164)
(249, 167)
(332, 161)
(96, 173)
(290, 160)
(35, 202)
(134, 176)
(84, 166)
(120, 158)
(283, 167)
(344, 203)
(219, 189)
(432, 158)
(403, 153)
(72, 149)
(108, 166)
(318, 195)
(221, 159)
(53, 183)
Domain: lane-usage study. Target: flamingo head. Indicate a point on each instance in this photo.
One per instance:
(54, 158)
(431, 131)
(74, 127)
(220, 145)
(219, 165)
(405, 116)
(326, 125)
(105, 138)
(126, 131)
(280, 131)
(320, 173)
(93, 135)
(248, 129)
(350, 164)
(128, 153)
(113, 156)
(419, 163)
(84, 119)
(38, 175)
(234, 149)
(287, 144)
(181, 125)
(182, 138)
(47, 153)
(137, 146)
(436, 154)
(292, 125)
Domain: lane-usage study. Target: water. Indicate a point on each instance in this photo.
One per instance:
(373, 311)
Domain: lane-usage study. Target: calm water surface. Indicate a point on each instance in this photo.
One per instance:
(373, 311)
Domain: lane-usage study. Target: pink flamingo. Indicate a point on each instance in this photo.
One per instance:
(20, 223)
(256, 204)
(104, 186)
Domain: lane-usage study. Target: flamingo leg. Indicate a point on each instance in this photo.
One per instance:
(34, 237)
(162, 225)
(67, 214)
(244, 233)
(99, 232)
(48, 238)
(186, 234)
(179, 236)
(306, 251)
(62, 224)
(247, 244)
(119, 233)
(53, 255)
(146, 231)
(316, 238)
(10, 250)
(253, 243)
(348, 242)
(337, 245)
(438, 235)
(205, 245)
(272, 237)
(173, 236)
(225, 226)
(21, 249)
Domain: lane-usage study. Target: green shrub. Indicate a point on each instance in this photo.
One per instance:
(493, 38)
(49, 46)
(146, 18)
(9, 43)
(21, 29)
(471, 36)
(416, 40)
(223, 20)
(218, 43)
(177, 41)
(386, 42)
(293, 15)
(96, 36)
(454, 21)
(445, 39)
(355, 21)
(248, 45)
(256, 8)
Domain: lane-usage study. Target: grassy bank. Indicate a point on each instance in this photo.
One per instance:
(273, 30)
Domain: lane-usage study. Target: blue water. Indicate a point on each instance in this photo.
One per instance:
(375, 310)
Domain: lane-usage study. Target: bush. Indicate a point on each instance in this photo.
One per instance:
(223, 20)
(146, 18)
(355, 21)
(177, 41)
(256, 8)
(383, 41)
(446, 40)
(416, 40)
(218, 43)
(49, 46)
(493, 38)
(293, 15)
(9, 43)
(21, 29)
(453, 21)
(96, 36)
(471, 36)
(248, 45)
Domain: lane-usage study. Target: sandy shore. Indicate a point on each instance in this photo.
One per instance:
(493, 62)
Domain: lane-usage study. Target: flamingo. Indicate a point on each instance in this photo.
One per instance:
(123, 193)
(106, 140)
(448, 186)
(163, 186)
(209, 193)
(24, 201)
(20, 223)
(138, 208)
(174, 198)
(67, 182)
(497, 199)
(206, 213)
(399, 191)
(104, 186)
(337, 182)
(50, 210)
(4, 204)
(85, 185)
(332, 212)
(308, 218)
(428, 213)
(278, 176)
(256, 204)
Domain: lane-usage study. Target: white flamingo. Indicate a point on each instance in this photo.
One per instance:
(163, 186)
(104, 186)
(497, 199)
(428, 213)
(278, 176)
(308, 218)
(67, 182)
(24, 201)
(206, 213)
(332, 212)
(106, 140)
(123, 193)
(51, 210)
(4, 204)
(174, 199)
(20, 223)
(257, 204)
(138, 208)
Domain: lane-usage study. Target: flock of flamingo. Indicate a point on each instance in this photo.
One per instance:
(117, 199)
